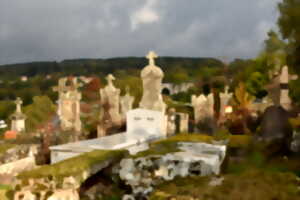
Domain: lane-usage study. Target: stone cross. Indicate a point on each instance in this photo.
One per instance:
(151, 56)
(19, 102)
(110, 78)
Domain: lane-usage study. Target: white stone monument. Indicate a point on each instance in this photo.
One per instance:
(69, 104)
(146, 122)
(224, 97)
(126, 103)
(152, 77)
(203, 107)
(110, 95)
(18, 118)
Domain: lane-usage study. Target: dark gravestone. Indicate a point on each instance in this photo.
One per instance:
(276, 130)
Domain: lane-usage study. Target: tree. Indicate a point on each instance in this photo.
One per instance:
(243, 103)
(289, 25)
(39, 112)
(255, 84)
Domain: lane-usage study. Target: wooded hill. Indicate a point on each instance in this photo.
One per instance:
(104, 66)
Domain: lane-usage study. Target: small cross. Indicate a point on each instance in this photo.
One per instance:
(110, 78)
(151, 56)
(19, 102)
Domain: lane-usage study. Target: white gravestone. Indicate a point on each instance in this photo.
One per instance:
(203, 107)
(146, 122)
(111, 95)
(152, 83)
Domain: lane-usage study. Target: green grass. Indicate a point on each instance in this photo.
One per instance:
(74, 166)
(5, 147)
(250, 185)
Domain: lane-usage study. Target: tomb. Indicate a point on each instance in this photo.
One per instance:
(142, 126)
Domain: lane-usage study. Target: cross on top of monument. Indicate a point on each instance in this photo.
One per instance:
(19, 102)
(151, 56)
(110, 78)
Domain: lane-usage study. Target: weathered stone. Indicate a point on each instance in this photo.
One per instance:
(126, 103)
(69, 104)
(275, 127)
(152, 83)
(193, 159)
(110, 95)
(203, 107)
(18, 118)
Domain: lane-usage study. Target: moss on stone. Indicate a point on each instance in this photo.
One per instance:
(74, 166)
(4, 147)
(169, 145)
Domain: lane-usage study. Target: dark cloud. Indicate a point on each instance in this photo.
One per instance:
(34, 30)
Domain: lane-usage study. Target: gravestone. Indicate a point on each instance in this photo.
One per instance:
(110, 96)
(224, 97)
(18, 118)
(152, 83)
(69, 104)
(147, 122)
(126, 103)
(276, 129)
(171, 124)
(203, 107)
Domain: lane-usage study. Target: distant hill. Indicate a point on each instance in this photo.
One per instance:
(102, 66)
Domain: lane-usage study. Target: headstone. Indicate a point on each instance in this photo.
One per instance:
(171, 124)
(126, 103)
(18, 118)
(110, 96)
(147, 122)
(224, 97)
(184, 122)
(69, 104)
(275, 127)
(203, 107)
(152, 83)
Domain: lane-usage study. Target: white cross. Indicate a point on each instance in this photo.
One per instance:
(151, 56)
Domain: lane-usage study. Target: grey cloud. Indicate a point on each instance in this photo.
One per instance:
(34, 30)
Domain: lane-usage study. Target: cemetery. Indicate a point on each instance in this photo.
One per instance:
(159, 146)
(106, 120)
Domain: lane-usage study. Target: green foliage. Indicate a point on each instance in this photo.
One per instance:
(256, 83)
(6, 109)
(289, 23)
(252, 184)
(295, 91)
(71, 166)
(39, 112)
(242, 97)
(5, 147)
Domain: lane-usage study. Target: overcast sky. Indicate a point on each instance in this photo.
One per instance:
(43, 30)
